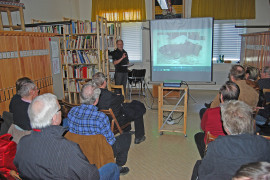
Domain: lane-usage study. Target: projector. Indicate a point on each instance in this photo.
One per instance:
(172, 83)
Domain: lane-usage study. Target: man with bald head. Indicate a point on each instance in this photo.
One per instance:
(45, 153)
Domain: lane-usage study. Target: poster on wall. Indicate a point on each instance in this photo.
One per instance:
(175, 10)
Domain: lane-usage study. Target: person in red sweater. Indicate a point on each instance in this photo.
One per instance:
(211, 120)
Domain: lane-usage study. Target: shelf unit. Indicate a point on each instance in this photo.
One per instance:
(179, 107)
(80, 54)
(114, 33)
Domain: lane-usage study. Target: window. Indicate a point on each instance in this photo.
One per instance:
(131, 34)
(227, 39)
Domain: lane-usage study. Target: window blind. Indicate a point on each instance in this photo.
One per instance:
(227, 39)
(131, 34)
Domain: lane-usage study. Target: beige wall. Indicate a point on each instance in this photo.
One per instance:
(50, 10)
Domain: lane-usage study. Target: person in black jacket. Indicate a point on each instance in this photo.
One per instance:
(19, 104)
(227, 154)
(120, 61)
(124, 112)
(46, 154)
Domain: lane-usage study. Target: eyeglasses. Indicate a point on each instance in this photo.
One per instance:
(59, 110)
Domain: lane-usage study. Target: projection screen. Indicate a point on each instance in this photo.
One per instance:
(181, 49)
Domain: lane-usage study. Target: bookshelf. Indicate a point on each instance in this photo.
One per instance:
(79, 55)
(114, 33)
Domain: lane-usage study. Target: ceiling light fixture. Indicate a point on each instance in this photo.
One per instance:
(163, 4)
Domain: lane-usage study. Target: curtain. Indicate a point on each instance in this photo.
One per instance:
(119, 10)
(223, 9)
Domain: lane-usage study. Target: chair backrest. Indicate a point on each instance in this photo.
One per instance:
(137, 73)
(266, 137)
(66, 107)
(209, 138)
(8, 120)
(113, 87)
(95, 147)
(110, 113)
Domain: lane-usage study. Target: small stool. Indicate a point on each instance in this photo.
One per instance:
(9, 7)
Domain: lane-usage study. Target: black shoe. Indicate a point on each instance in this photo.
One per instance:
(139, 140)
(207, 105)
(124, 170)
(131, 132)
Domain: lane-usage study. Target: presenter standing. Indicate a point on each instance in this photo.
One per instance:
(121, 62)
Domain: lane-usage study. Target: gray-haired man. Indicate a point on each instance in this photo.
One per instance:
(227, 153)
(45, 153)
(87, 120)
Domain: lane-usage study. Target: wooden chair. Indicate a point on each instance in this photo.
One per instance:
(266, 137)
(65, 107)
(209, 138)
(113, 87)
(114, 129)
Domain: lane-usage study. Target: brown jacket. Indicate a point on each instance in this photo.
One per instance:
(247, 95)
(95, 147)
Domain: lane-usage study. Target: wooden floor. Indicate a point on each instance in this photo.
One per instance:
(171, 155)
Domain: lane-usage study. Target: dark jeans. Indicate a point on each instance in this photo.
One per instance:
(138, 123)
(109, 171)
(120, 79)
(199, 140)
(121, 148)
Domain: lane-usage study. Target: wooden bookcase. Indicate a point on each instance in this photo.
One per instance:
(80, 54)
(24, 54)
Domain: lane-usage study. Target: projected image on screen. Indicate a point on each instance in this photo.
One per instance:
(181, 49)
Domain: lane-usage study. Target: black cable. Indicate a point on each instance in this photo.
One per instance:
(151, 106)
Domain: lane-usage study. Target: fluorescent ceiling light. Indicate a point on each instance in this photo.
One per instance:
(163, 4)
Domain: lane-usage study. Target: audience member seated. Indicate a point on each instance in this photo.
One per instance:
(45, 153)
(17, 97)
(28, 91)
(253, 171)
(87, 120)
(124, 112)
(228, 153)
(252, 75)
(7, 154)
(247, 93)
(211, 120)
(264, 82)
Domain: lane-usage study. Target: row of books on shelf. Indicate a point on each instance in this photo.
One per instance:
(81, 27)
(110, 29)
(58, 29)
(79, 57)
(76, 27)
(74, 86)
(81, 42)
(111, 41)
(85, 72)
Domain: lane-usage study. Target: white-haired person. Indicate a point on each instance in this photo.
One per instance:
(45, 153)
(227, 154)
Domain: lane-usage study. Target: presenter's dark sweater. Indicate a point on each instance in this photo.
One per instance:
(19, 109)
